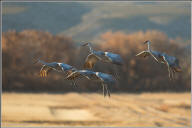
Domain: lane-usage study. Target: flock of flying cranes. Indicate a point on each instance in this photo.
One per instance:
(107, 57)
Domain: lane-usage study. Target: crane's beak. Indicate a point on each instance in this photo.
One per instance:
(84, 44)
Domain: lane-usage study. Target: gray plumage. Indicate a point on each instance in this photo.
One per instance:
(95, 56)
(172, 64)
(148, 52)
(171, 61)
(105, 79)
(60, 67)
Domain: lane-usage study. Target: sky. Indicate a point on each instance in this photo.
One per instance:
(86, 21)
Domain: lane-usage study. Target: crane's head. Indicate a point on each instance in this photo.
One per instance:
(147, 41)
(89, 45)
(86, 44)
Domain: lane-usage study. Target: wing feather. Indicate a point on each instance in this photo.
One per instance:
(90, 61)
(77, 74)
(113, 58)
(45, 70)
(73, 76)
(165, 60)
(143, 54)
(154, 57)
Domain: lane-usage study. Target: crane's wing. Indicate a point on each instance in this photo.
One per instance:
(45, 70)
(114, 58)
(143, 54)
(153, 57)
(63, 67)
(73, 76)
(91, 75)
(172, 64)
(171, 61)
(77, 74)
(166, 60)
(90, 61)
(176, 66)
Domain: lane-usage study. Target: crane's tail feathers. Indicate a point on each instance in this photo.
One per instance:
(178, 69)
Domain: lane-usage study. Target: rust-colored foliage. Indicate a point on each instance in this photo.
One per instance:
(20, 49)
(146, 74)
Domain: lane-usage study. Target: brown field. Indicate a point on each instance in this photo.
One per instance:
(92, 109)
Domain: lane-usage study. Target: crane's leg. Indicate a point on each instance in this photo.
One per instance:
(172, 76)
(74, 84)
(173, 72)
(103, 89)
(108, 92)
(169, 72)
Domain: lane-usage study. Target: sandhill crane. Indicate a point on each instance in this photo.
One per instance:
(95, 56)
(172, 64)
(60, 67)
(171, 61)
(105, 79)
(148, 52)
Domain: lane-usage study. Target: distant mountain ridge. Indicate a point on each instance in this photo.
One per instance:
(58, 17)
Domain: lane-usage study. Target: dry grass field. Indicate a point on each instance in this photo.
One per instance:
(92, 109)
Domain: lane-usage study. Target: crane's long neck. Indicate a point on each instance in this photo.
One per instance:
(43, 62)
(148, 45)
(90, 48)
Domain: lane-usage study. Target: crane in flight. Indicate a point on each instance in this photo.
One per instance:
(60, 67)
(149, 52)
(172, 64)
(95, 56)
(105, 79)
(171, 61)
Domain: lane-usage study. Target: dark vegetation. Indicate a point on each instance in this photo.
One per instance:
(20, 49)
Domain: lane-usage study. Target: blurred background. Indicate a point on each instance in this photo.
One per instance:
(53, 31)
